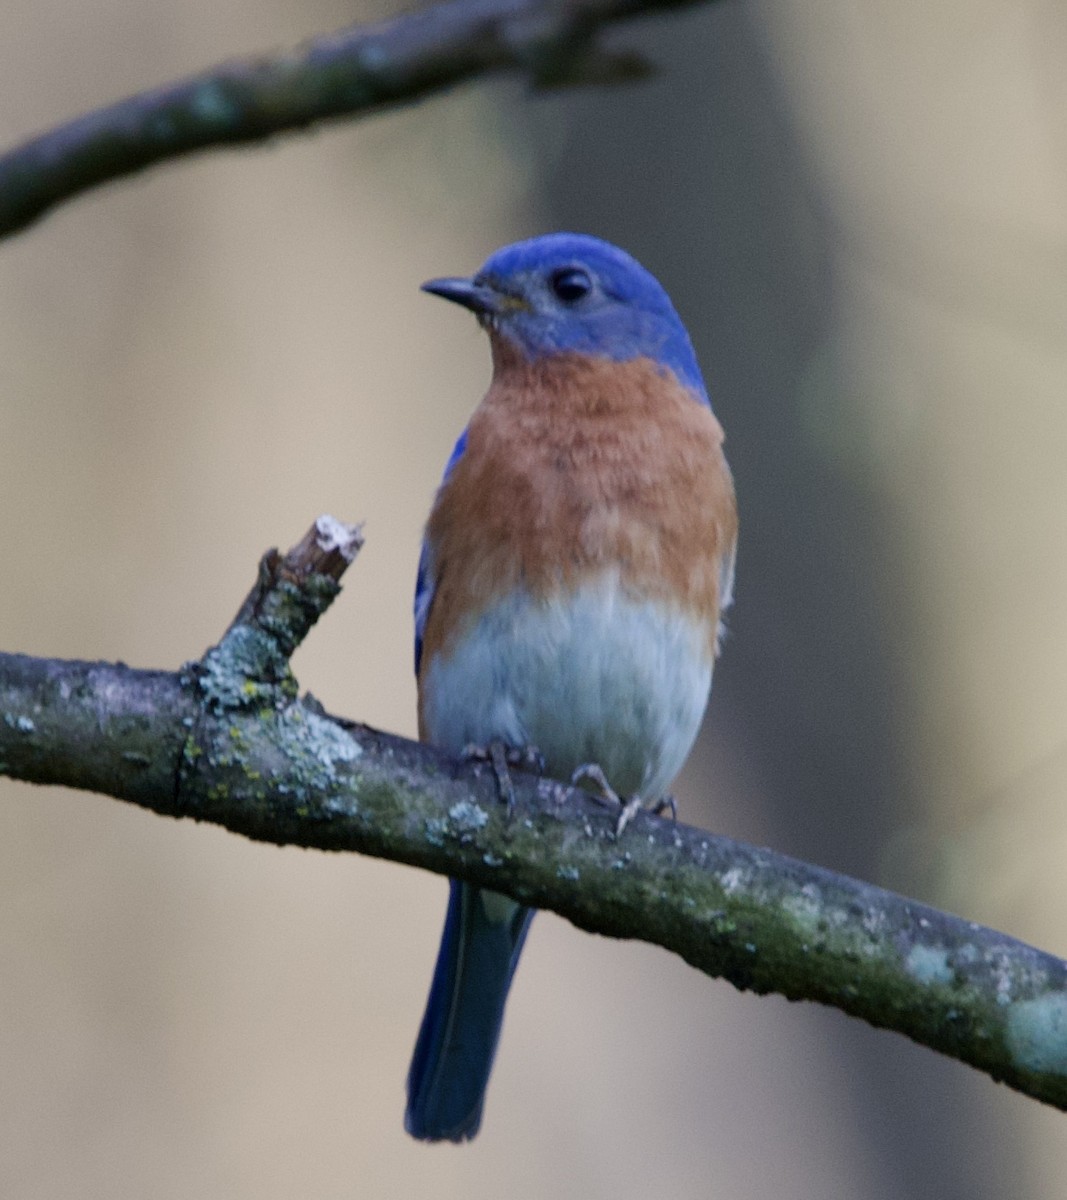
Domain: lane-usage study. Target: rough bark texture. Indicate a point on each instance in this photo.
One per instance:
(227, 740)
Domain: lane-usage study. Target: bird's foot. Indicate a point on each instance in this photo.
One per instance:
(502, 757)
(662, 805)
(525, 758)
(603, 791)
(628, 809)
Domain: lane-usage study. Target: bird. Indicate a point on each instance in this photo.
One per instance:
(575, 567)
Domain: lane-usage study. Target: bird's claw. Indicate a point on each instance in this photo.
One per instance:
(526, 758)
(501, 757)
(604, 792)
(662, 805)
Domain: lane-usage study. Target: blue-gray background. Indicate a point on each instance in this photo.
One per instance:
(861, 212)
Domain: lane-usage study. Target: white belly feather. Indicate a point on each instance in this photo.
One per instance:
(592, 676)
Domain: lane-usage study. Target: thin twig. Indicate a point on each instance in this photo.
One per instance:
(358, 70)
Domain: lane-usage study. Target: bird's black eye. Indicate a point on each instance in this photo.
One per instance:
(570, 284)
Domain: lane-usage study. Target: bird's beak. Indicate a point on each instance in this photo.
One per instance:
(480, 297)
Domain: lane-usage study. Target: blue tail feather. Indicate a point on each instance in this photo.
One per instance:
(480, 948)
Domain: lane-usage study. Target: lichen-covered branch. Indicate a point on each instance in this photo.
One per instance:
(358, 70)
(227, 740)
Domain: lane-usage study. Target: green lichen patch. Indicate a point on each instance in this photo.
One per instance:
(1037, 1033)
(246, 670)
(316, 748)
(929, 964)
(467, 817)
(289, 609)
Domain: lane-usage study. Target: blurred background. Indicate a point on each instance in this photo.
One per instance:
(861, 213)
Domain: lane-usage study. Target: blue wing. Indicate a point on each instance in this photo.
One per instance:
(424, 580)
(480, 948)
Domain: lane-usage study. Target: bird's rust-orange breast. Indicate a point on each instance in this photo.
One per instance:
(575, 466)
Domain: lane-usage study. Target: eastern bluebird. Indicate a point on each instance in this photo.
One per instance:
(576, 563)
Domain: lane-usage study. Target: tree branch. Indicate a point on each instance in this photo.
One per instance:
(359, 70)
(227, 740)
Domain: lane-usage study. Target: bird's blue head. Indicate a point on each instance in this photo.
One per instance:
(571, 293)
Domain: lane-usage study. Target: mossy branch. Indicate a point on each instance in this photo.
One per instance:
(358, 70)
(228, 740)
